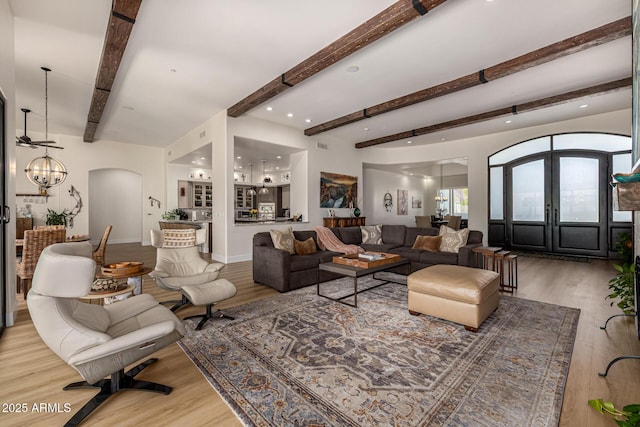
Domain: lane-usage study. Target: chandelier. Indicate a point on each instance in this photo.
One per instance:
(263, 190)
(251, 191)
(45, 171)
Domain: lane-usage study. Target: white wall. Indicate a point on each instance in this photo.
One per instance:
(80, 158)
(7, 89)
(478, 150)
(114, 198)
(378, 182)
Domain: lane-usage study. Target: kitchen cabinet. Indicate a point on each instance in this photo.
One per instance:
(244, 200)
(195, 195)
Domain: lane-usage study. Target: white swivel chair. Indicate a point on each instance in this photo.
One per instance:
(97, 341)
(179, 267)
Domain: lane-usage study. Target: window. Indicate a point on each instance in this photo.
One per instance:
(456, 201)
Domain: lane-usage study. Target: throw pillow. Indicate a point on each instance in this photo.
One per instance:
(427, 243)
(305, 247)
(371, 234)
(178, 238)
(283, 239)
(452, 240)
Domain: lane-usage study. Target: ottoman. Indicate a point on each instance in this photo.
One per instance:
(452, 292)
(208, 294)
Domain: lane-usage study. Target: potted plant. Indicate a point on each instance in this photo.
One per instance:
(55, 218)
(629, 416)
(623, 283)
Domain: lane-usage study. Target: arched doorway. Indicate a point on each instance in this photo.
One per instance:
(115, 197)
(551, 194)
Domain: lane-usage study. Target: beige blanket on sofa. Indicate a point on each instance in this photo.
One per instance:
(328, 240)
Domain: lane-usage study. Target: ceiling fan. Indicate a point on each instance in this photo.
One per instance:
(25, 141)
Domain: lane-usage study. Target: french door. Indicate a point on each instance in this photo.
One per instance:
(557, 202)
(4, 219)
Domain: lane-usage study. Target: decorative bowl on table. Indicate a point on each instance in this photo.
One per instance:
(122, 268)
(105, 284)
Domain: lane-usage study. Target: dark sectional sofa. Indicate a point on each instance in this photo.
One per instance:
(281, 270)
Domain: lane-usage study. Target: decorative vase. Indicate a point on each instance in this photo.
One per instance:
(356, 212)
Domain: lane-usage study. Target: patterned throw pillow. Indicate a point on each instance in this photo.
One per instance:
(371, 234)
(178, 238)
(453, 240)
(283, 239)
(427, 243)
(305, 247)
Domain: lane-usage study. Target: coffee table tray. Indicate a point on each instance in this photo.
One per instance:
(355, 261)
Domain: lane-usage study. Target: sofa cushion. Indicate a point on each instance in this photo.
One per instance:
(378, 248)
(408, 253)
(304, 262)
(305, 247)
(350, 235)
(303, 235)
(393, 234)
(413, 232)
(283, 239)
(427, 243)
(432, 258)
(453, 240)
(371, 234)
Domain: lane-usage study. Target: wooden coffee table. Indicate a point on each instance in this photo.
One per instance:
(354, 272)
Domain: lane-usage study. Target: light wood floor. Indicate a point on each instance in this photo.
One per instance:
(30, 373)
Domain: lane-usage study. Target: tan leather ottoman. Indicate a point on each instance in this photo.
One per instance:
(452, 292)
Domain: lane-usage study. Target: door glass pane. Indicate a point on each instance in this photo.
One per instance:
(496, 210)
(621, 164)
(528, 191)
(592, 142)
(460, 202)
(579, 189)
(520, 150)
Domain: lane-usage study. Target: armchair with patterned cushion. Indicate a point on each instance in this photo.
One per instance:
(178, 261)
(97, 341)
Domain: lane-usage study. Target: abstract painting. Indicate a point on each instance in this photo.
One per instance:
(403, 202)
(338, 191)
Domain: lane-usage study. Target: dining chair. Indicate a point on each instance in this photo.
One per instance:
(98, 254)
(453, 221)
(423, 221)
(181, 226)
(50, 227)
(33, 244)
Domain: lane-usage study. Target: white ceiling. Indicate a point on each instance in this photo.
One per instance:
(187, 60)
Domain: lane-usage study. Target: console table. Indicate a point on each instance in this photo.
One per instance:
(343, 221)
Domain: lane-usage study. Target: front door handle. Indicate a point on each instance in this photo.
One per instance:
(6, 216)
(555, 217)
(546, 221)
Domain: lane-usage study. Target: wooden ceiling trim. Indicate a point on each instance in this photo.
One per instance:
(550, 101)
(387, 21)
(604, 34)
(121, 21)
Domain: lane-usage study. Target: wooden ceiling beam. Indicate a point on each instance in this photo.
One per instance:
(596, 37)
(390, 19)
(600, 89)
(123, 16)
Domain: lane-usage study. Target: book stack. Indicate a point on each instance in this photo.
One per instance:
(370, 256)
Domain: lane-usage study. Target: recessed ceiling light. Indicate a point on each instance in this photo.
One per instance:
(409, 142)
(584, 105)
(289, 114)
(193, 161)
(203, 158)
(278, 157)
(308, 120)
(443, 139)
(239, 167)
(353, 69)
(277, 167)
(508, 121)
(366, 129)
(411, 174)
(239, 157)
(269, 108)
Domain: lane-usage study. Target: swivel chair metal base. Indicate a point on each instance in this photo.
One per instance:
(177, 303)
(119, 381)
(208, 315)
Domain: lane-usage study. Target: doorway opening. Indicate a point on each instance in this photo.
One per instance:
(552, 194)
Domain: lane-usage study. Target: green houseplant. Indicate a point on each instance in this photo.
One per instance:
(56, 218)
(628, 416)
(622, 283)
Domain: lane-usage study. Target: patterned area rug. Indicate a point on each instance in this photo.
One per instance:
(302, 360)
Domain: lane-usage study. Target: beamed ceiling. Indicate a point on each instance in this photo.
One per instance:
(369, 72)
